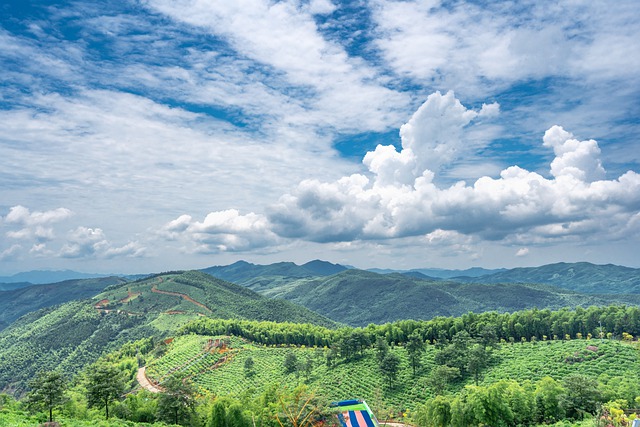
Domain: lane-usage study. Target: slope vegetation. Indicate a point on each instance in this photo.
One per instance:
(17, 302)
(74, 334)
(357, 297)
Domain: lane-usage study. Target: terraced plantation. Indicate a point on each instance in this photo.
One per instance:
(611, 361)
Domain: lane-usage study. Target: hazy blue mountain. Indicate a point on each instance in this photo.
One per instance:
(581, 277)
(38, 277)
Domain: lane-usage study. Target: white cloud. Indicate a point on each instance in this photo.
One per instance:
(339, 91)
(10, 253)
(85, 242)
(522, 252)
(402, 199)
(222, 231)
(21, 215)
(579, 159)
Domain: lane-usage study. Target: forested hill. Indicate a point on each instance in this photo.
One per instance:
(581, 277)
(74, 334)
(357, 297)
(17, 302)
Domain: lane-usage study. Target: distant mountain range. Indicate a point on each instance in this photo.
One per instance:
(41, 277)
(580, 277)
(357, 297)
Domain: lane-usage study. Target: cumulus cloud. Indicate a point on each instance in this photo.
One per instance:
(401, 198)
(522, 252)
(91, 242)
(10, 253)
(222, 231)
(23, 216)
(42, 235)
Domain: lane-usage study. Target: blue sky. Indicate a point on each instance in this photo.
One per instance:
(170, 134)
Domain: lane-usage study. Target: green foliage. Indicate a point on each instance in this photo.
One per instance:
(177, 402)
(15, 303)
(218, 417)
(390, 366)
(47, 392)
(379, 295)
(290, 363)
(104, 385)
(582, 396)
(415, 349)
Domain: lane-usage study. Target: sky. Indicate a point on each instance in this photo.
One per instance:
(153, 135)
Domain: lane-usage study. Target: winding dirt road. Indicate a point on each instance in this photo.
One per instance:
(144, 381)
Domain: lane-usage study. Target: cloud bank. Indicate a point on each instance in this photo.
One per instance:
(43, 234)
(401, 196)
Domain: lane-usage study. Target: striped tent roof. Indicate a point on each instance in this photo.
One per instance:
(355, 413)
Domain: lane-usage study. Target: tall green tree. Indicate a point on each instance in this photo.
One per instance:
(415, 349)
(235, 416)
(581, 396)
(382, 348)
(218, 417)
(478, 358)
(441, 376)
(47, 392)
(104, 385)
(435, 412)
(390, 367)
(290, 363)
(249, 364)
(547, 395)
(177, 402)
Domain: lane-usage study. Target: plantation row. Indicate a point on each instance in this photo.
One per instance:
(612, 363)
(599, 322)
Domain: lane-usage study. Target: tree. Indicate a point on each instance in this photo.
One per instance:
(436, 412)
(390, 367)
(104, 385)
(547, 396)
(235, 417)
(581, 396)
(415, 349)
(382, 348)
(248, 367)
(441, 376)
(177, 401)
(290, 363)
(477, 360)
(47, 392)
(218, 416)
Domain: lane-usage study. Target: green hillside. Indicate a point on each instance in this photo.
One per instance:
(581, 277)
(17, 302)
(357, 297)
(188, 356)
(75, 334)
